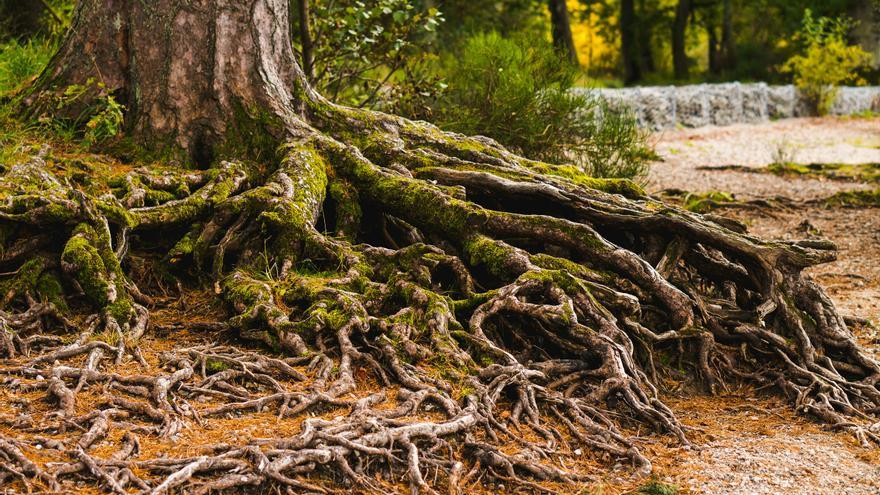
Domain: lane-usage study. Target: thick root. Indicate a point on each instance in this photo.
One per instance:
(443, 297)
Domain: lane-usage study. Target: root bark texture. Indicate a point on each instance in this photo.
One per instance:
(432, 310)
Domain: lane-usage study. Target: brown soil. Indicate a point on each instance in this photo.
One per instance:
(753, 445)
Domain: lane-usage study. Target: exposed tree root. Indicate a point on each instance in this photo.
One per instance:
(506, 302)
(439, 312)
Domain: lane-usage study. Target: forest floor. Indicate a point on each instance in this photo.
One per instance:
(743, 442)
(750, 445)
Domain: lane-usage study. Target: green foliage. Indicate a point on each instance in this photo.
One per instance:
(21, 61)
(362, 47)
(826, 62)
(107, 121)
(858, 199)
(102, 119)
(518, 92)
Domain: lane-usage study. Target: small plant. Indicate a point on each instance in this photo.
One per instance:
(519, 92)
(827, 61)
(106, 123)
(101, 121)
(784, 152)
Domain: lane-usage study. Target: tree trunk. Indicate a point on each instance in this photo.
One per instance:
(715, 57)
(728, 42)
(680, 61)
(645, 41)
(305, 38)
(496, 302)
(561, 30)
(632, 72)
(189, 75)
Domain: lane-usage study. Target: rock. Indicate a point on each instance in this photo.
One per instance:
(664, 107)
(852, 101)
(725, 103)
(692, 106)
(755, 102)
(781, 101)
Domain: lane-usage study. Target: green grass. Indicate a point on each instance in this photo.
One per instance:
(21, 61)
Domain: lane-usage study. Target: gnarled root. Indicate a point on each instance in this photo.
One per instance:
(443, 297)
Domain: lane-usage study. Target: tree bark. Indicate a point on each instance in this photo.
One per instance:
(561, 30)
(632, 72)
(715, 55)
(190, 75)
(645, 40)
(680, 61)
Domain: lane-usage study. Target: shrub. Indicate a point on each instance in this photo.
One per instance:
(519, 93)
(826, 62)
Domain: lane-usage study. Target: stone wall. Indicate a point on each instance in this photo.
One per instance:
(663, 107)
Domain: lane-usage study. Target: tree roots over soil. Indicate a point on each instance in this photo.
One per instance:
(437, 310)
(514, 312)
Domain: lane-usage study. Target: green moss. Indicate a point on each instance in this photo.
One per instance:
(560, 278)
(576, 269)
(49, 289)
(474, 301)
(120, 309)
(624, 187)
(707, 201)
(156, 197)
(855, 199)
(348, 209)
(655, 487)
(87, 265)
(489, 253)
(251, 132)
(185, 246)
(216, 365)
(869, 172)
(89, 258)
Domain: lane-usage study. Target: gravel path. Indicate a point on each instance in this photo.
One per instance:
(765, 448)
(829, 140)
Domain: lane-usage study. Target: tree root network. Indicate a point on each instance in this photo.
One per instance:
(432, 310)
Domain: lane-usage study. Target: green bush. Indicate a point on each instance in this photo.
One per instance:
(20, 61)
(826, 62)
(518, 92)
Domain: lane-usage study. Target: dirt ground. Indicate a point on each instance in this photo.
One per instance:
(748, 445)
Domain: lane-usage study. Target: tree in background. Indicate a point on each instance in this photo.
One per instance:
(680, 61)
(827, 60)
(629, 48)
(561, 30)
